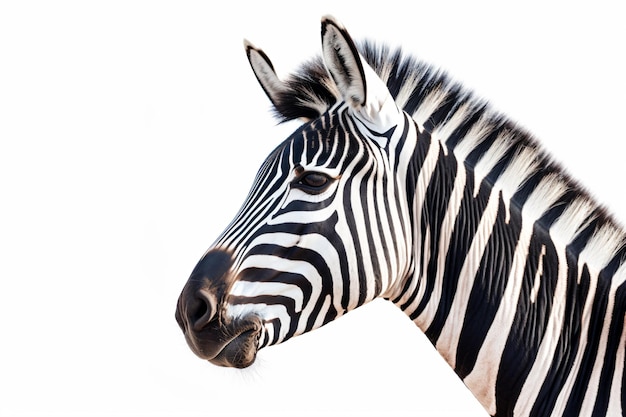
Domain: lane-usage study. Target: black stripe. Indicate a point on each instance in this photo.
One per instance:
(489, 285)
(596, 321)
(529, 324)
(613, 344)
(287, 302)
(470, 212)
(270, 275)
(277, 326)
(436, 201)
(317, 308)
(368, 176)
(337, 241)
(307, 206)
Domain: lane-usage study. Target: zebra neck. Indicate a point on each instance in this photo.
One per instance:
(515, 310)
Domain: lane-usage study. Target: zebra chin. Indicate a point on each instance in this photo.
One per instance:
(230, 342)
(221, 348)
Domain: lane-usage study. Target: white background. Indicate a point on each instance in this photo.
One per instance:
(129, 134)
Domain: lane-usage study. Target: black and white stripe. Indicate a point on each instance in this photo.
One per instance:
(290, 246)
(447, 209)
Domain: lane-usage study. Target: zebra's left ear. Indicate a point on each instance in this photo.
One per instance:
(264, 72)
(357, 82)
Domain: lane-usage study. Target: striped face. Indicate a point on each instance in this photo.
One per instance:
(312, 241)
(324, 229)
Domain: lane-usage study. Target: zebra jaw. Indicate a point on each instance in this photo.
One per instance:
(223, 341)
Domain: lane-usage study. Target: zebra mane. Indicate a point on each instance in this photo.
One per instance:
(469, 127)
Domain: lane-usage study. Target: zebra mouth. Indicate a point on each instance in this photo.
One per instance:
(240, 352)
(233, 349)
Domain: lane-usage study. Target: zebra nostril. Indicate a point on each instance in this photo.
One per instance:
(198, 306)
(202, 309)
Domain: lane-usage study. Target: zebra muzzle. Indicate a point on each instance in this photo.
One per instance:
(220, 340)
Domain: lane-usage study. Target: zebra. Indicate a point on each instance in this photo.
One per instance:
(401, 184)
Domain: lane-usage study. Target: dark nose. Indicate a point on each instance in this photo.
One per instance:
(224, 341)
(198, 304)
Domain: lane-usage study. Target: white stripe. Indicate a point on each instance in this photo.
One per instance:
(254, 289)
(445, 235)
(602, 247)
(538, 276)
(576, 217)
(448, 341)
(491, 158)
(409, 85)
(445, 130)
(615, 398)
(520, 168)
(425, 175)
(472, 139)
(429, 105)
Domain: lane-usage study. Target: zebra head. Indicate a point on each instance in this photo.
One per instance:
(325, 227)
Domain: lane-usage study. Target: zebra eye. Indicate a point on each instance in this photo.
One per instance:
(312, 182)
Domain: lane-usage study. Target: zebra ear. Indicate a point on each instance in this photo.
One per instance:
(343, 62)
(357, 82)
(264, 72)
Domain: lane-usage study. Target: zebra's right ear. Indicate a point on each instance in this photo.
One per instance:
(264, 72)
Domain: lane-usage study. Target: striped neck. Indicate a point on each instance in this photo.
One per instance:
(512, 278)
